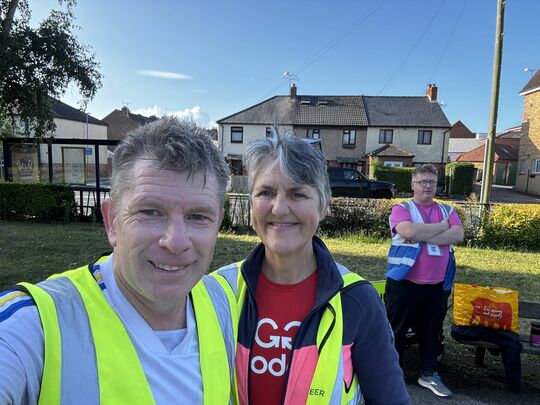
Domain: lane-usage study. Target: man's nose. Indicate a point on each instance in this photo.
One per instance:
(175, 237)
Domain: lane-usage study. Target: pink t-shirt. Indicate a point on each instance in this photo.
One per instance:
(427, 269)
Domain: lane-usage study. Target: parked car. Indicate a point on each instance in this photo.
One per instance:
(346, 182)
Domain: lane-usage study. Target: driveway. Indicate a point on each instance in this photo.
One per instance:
(506, 194)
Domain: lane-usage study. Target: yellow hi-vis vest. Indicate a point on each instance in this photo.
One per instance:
(89, 355)
(329, 372)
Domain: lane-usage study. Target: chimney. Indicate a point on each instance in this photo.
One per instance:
(293, 92)
(125, 111)
(431, 92)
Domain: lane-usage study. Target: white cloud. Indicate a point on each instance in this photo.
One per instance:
(194, 113)
(164, 75)
(148, 111)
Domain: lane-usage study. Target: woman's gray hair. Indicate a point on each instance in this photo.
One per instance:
(174, 144)
(301, 162)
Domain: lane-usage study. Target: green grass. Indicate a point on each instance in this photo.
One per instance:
(32, 251)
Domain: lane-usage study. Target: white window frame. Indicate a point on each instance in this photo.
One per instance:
(536, 166)
(390, 163)
(522, 166)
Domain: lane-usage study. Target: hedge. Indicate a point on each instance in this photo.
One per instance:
(35, 200)
(400, 176)
(514, 226)
(459, 178)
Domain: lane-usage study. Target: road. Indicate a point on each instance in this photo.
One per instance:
(506, 194)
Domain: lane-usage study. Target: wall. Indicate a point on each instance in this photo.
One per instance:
(251, 133)
(529, 147)
(407, 139)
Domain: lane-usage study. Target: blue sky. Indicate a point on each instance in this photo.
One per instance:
(223, 56)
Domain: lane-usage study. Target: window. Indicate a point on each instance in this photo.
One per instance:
(424, 137)
(237, 134)
(268, 132)
(349, 137)
(386, 135)
(522, 166)
(305, 101)
(392, 164)
(236, 167)
(314, 134)
(536, 166)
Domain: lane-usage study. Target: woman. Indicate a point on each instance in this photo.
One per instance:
(310, 331)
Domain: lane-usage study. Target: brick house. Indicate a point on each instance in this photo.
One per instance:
(122, 121)
(528, 178)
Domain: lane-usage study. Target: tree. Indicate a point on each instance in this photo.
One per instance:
(39, 63)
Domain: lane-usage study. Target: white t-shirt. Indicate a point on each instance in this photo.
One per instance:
(170, 359)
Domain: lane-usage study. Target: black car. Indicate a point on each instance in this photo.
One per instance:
(346, 182)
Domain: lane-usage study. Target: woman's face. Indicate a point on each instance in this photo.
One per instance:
(285, 215)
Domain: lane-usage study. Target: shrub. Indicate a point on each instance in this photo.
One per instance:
(400, 176)
(513, 226)
(348, 215)
(36, 200)
(459, 178)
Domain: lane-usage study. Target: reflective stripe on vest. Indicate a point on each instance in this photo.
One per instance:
(88, 352)
(329, 374)
(402, 256)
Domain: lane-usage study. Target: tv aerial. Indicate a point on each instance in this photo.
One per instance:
(290, 77)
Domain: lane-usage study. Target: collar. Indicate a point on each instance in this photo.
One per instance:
(329, 281)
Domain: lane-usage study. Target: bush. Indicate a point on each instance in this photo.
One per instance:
(348, 215)
(36, 200)
(513, 226)
(459, 178)
(400, 176)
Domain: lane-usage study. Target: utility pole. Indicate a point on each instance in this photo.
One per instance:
(489, 156)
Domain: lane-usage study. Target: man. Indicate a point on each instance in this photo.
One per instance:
(421, 271)
(135, 327)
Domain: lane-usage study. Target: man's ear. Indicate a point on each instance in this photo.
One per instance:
(109, 220)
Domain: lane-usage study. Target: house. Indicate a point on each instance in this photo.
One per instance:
(71, 163)
(462, 140)
(506, 157)
(400, 131)
(122, 121)
(528, 179)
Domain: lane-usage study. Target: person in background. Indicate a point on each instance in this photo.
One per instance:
(310, 330)
(138, 326)
(421, 270)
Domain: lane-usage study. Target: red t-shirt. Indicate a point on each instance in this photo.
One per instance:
(282, 307)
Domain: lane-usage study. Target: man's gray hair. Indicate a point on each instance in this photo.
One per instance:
(427, 168)
(174, 144)
(298, 160)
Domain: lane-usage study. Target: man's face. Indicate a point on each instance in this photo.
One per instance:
(424, 186)
(163, 232)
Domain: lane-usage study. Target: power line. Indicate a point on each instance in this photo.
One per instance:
(329, 46)
(395, 74)
(448, 42)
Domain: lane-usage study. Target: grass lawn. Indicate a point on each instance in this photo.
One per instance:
(31, 252)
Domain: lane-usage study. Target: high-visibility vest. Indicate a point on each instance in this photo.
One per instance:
(329, 372)
(402, 255)
(89, 356)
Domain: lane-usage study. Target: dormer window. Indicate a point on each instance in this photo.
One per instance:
(305, 101)
(322, 102)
